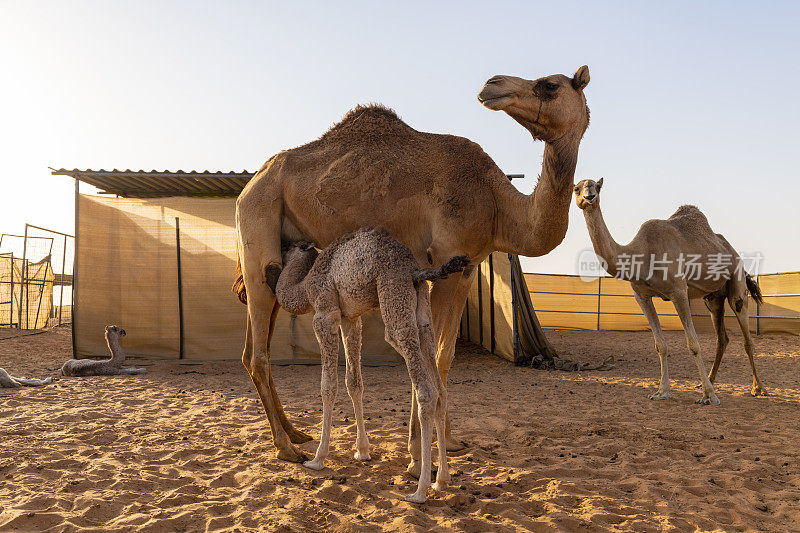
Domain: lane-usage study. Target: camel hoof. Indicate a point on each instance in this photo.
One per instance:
(314, 464)
(298, 437)
(293, 454)
(415, 469)
(660, 396)
(455, 446)
(758, 391)
(440, 485)
(708, 400)
(359, 456)
(416, 497)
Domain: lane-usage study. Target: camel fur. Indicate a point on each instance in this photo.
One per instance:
(440, 195)
(10, 382)
(105, 367)
(664, 246)
(366, 270)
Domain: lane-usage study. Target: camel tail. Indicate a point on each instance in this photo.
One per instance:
(238, 283)
(455, 264)
(754, 289)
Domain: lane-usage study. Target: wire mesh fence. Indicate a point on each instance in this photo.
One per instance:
(35, 278)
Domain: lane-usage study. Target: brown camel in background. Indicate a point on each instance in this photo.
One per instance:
(440, 195)
(677, 259)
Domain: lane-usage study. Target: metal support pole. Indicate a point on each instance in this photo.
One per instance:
(180, 284)
(11, 307)
(491, 303)
(599, 281)
(73, 310)
(514, 319)
(758, 313)
(23, 292)
(480, 304)
(61, 286)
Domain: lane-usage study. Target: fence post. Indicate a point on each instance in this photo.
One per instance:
(758, 313)
(61, 286)
(599, 281)
(180, 284)
(22, 289)
(491, 303)
(11, 307)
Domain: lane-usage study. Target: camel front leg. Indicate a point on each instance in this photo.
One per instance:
(681, 302)
(351, 334)
(649, 310)
(326, 326)
(447, 303)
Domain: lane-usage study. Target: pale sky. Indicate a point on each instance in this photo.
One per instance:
(691, 102)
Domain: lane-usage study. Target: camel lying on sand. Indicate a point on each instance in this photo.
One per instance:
(677, 259)
(10, 382)
(365, 270)
(105, 367)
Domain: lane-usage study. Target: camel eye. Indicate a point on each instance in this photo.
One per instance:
(550, 86)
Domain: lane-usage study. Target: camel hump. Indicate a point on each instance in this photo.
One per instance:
(688, 211)
(367, 118)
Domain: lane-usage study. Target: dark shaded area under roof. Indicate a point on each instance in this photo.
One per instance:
(160, 184)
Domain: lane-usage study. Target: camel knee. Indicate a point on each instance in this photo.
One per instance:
(355, 384)
(661, 347)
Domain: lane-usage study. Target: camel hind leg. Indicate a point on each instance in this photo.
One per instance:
(681, 302)
(737, 299)
(351, 336)
(260, 262)
(716, 306)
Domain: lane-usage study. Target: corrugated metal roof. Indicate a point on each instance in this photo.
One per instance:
(162, 183)
(158, 183)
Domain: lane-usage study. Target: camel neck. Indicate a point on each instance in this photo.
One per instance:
(534, 224)
(291, 288)
(117, 355)
(603, 243)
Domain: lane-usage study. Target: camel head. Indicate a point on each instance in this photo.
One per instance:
(587, 193)
(549, 107)
(293, 251)
(115, 330)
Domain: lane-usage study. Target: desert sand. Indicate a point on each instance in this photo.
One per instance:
(186, 447)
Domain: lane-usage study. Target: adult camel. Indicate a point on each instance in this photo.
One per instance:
(440, 195)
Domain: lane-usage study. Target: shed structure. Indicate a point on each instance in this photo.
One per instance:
(156, 252)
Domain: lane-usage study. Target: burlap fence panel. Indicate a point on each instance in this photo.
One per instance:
(128, 275)
(781, 299)
(557, 297)
(487, 301)
(35, 301)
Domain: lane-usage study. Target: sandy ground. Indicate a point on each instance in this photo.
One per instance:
(187, 447)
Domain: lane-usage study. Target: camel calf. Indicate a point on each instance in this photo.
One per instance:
(677, 259)
(11, 382)
(105, 367)
(356, 273)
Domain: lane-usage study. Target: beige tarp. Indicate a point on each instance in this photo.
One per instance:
(568, 302)
(127, 274)
(488, 317)
(35, 301)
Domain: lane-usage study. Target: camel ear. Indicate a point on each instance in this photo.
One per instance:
(581, 78)
(599, 184)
